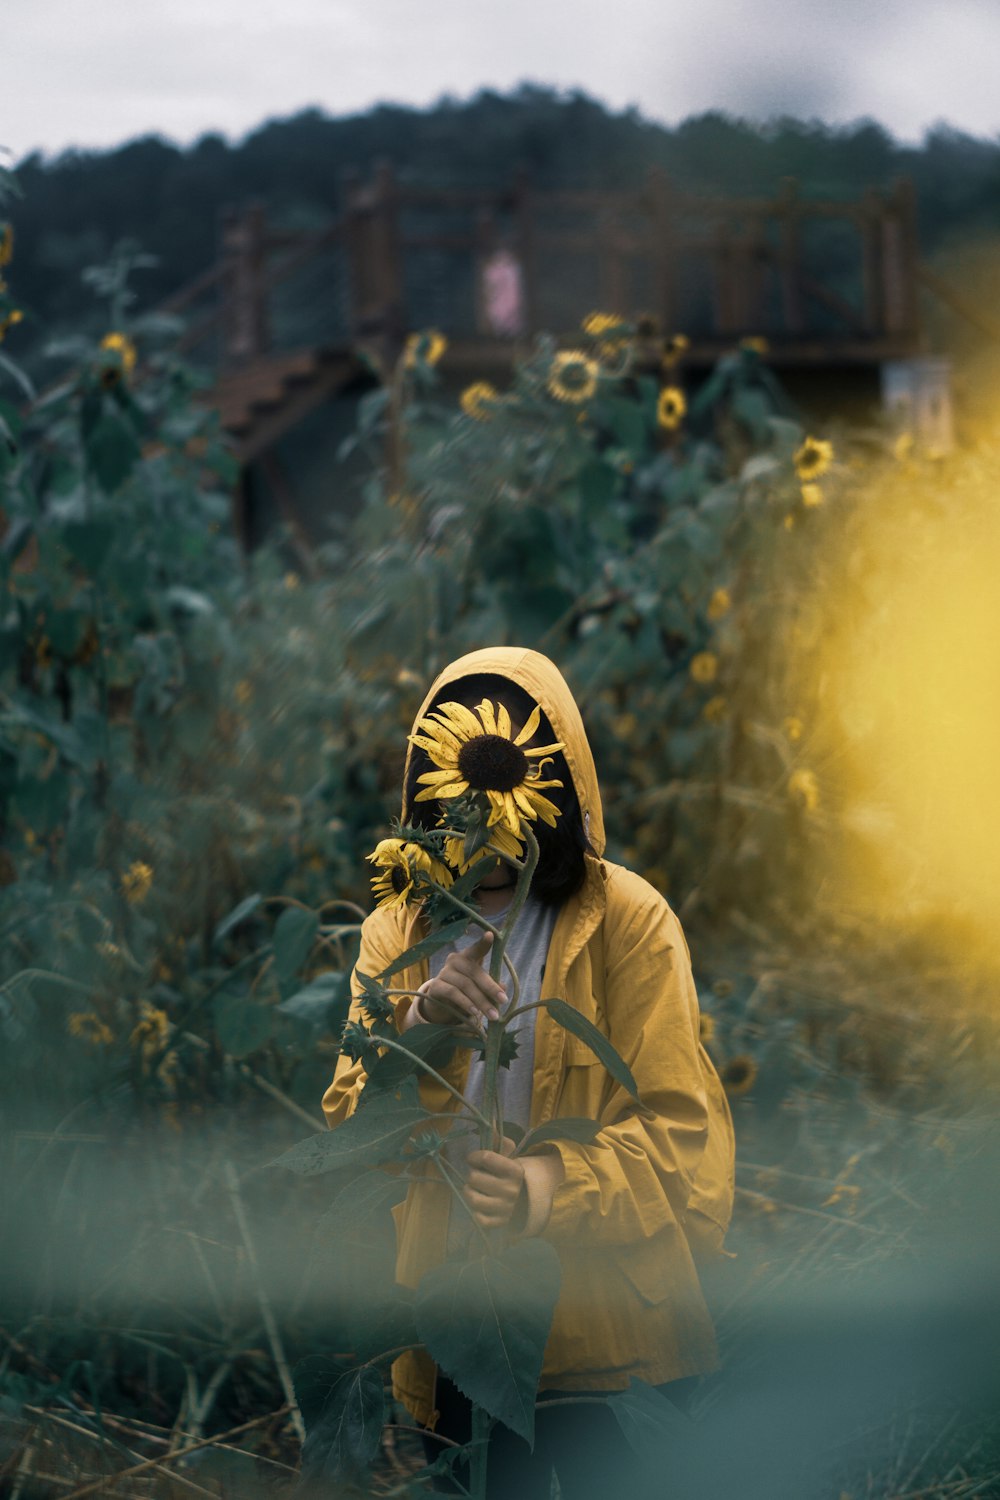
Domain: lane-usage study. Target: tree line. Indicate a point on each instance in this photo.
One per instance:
(77, 205)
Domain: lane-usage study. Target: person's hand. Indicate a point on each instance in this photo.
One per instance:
(463, 992)
(495, 1185)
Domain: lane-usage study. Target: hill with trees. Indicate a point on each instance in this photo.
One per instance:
(78, 205)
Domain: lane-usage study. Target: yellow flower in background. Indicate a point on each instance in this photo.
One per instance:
(739, 1074)
(137, 882)
(10, 320)
(674, 349)
(291, 581)
(89, 1027)
(755, 345)
(572, 376)
(597, 323)
(151, 1031)
(704, 666)
(426, 348)
(812, 494)
(720, 604)
(706, 1027)
(670, 407)
(788, 522)
(122, 345)
(477, 399)
(803, 789)
(813, 459)
(476, 751)
(793, 728)
(715, 710)
(902, 447)
(400, 864)
(243, 692)
(7, 245)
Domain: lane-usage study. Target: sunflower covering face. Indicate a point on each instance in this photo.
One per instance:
(400, 865)
(476, 751)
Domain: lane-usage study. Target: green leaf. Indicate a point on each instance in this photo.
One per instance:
(240, 1024)
(486, 1323)
(371, 1136)
(627, 423)
(345, 1440)
(352, 1216)
(236, 916)
(89, 542)
(112, 450)
(432, 1044)
(572, 1128)
(597, 484)
(322, 1004)
(598, 1043)
(294, 934)
(647, 1418)
(427, 946)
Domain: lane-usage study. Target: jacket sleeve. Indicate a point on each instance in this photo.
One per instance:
(635, 1178)
(381, 941)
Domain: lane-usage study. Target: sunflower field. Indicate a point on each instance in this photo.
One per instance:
(199, 748)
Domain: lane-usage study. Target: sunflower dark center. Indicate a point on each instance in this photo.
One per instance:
(400, 879)
(492, 763)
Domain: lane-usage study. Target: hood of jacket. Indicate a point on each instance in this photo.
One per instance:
(543, 681)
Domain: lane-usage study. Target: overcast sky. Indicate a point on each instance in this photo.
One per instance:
(101, 72)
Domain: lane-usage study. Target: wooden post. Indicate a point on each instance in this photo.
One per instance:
(869, 222)
(353, 251)
(612, 264)
(388, 260)
(906, 208)
(486, 244)
(723, 278)
(661, 214)
(899, 261)
(790, 256)
(246, 322)
(525, 234)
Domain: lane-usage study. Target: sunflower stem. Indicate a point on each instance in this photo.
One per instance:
(385, 1041)
(495, 1029)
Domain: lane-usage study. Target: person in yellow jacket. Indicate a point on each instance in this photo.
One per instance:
(629, 1214)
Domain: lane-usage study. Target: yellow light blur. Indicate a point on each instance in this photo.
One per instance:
(915, 685)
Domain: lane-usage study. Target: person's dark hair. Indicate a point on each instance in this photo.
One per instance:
(561, 869)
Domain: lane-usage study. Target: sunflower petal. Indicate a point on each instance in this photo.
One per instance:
(463, 718)
(503, 721)
(430, 793)
(546, 810)
(440, 777)
(485, 712)
(530, 728)
(545, 750)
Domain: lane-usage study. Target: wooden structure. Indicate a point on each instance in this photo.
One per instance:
(399, 257)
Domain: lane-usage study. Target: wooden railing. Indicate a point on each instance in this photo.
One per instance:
(711, 267)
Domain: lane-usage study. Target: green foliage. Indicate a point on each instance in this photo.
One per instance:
(648, 1419)
(486, 1320)
(598, 1043)
(346, 1434)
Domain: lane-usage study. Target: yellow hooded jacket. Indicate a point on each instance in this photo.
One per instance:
(655, 1188)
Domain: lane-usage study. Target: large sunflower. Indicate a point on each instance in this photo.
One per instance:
(400, 865)
(476, 751)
